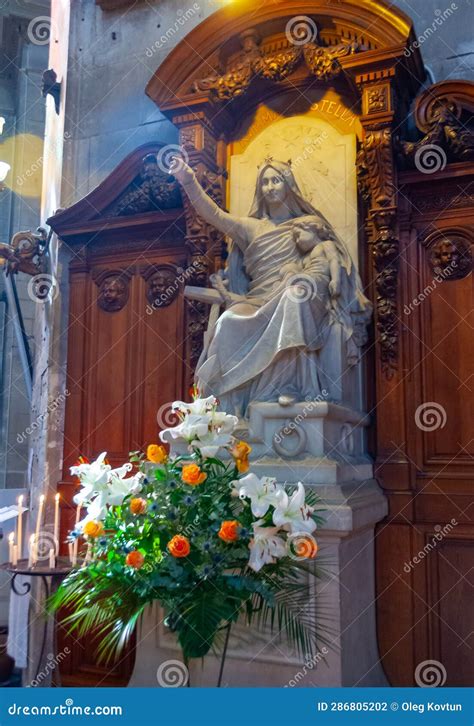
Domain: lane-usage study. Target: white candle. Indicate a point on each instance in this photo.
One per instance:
(20, 525)
(52, 559)
(31, 551)
(56, 522)
(15, 555)
(11, 541)
(38, 526)
(71, 551)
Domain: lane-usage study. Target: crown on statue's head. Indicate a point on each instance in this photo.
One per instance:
(269, 160)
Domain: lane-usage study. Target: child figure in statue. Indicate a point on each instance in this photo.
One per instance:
(320, 256)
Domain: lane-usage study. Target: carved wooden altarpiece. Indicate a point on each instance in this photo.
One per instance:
(413, 224)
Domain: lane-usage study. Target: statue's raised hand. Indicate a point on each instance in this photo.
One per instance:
(180, 170)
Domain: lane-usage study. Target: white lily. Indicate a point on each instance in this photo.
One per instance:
(261, 492)
(193, 426)
(265, 547)
(103, 486)
(199, 406)
(293, 511)
(202, 426)
(225, 423)
(93, 476)
(210, 444)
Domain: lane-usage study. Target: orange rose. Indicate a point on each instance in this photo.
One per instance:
(240, 451)
(306, 547)
(229, 530)
(93, 529)
(179, 546)
(138, 506)
(135, 559)
(192, 474)
(157, 454)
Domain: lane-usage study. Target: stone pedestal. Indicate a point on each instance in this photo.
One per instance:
(322, 445)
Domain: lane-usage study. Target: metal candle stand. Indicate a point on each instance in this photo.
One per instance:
(57, 574)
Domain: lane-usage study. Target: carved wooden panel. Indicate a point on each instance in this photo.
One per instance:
(425, 550)
(125, 350)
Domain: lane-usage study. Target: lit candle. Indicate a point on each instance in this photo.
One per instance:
(38, 525)
(20, 525)
(31, 551)
(52, 559)
(15, 555)
(11, 541)
(56, 522)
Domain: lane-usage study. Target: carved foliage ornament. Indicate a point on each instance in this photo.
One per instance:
(152, 190)
(376, 184)
(253, 62)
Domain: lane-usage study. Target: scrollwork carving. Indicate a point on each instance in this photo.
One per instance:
(447, 127)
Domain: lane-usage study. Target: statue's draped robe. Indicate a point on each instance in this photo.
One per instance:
(265, 346)
(268, 343)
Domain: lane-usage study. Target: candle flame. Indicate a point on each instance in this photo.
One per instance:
(56, 498)
(42, 499)
(20, 500)
(11, 537)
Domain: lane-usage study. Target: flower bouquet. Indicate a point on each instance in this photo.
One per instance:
(200, 534)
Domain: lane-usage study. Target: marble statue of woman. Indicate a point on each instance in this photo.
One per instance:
(290, 281)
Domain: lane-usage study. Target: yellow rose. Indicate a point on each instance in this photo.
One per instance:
(93, 529)
(157, 454)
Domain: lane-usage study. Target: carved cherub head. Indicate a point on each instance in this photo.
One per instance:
(112, 294)
(162, 287)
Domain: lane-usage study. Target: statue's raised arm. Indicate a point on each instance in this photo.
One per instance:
(238, 228)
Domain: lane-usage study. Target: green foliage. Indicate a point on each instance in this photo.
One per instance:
(201, 592)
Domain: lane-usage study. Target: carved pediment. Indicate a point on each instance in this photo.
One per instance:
(444, 114)
(313, 38)
(138, 187)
